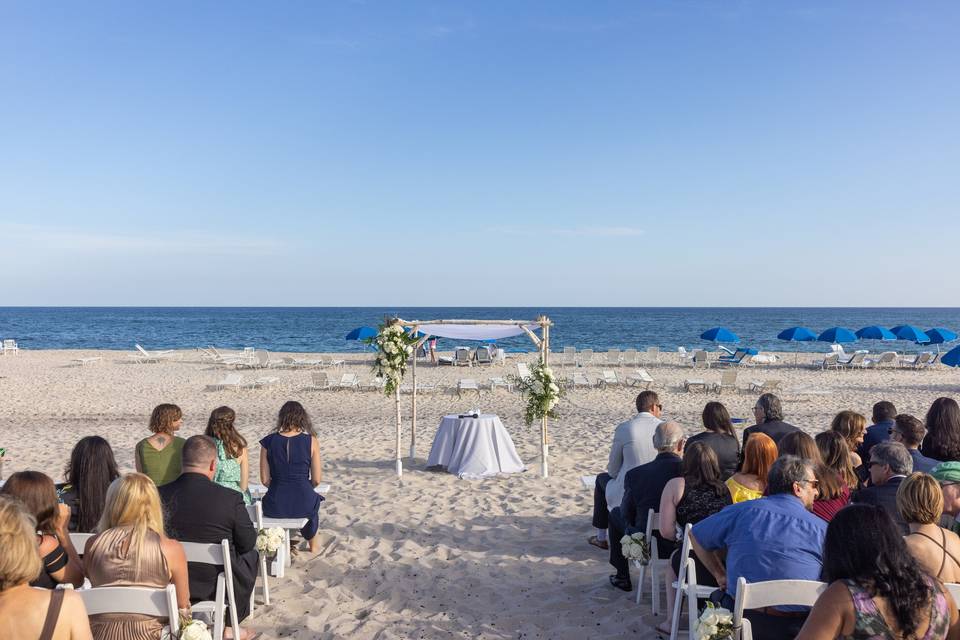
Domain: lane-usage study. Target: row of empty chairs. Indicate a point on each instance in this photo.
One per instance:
(612, 357)
(863, 360)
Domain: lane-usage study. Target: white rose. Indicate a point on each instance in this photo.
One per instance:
(554, 388)
(389, 348)
(710, 618)
(195, 630)
(547, 372)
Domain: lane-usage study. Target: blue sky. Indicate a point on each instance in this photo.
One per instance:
(485, 153)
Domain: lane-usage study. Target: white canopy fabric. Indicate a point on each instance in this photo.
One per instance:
(474, 331)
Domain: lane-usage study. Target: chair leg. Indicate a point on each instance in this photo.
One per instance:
(218, 609)
(677, 609)
(266, 579)
(693, 608)
(643, 571)
(655, 588)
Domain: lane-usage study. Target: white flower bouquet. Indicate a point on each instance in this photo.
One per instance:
(394, 348)
(715, 623)
(270, 540)
(190, 629)
(541, 392)
(636, 547)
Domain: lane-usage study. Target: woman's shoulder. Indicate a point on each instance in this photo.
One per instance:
(48, 544)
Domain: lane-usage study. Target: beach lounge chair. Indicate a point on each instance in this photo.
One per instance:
(728, 380)
(262, 359)
(82, 362)
(579, 380)
(653, 354)
(376, 384)
(766, 386)
(700, 358)
(885, 358)
(585, 356)
(10, 347)
(640, 377)
(613, 357)
(735, 359)
(692, 384)
(141, 355)
(161, 603)
(918, 361)
(230, 381)
(855, 361)
(683, 356)
(265, 381)
(828, 361)
(463, 357)
(523, 370)
(500, 382)
(349, 381)
(483, 356)
(631, 357)
(608, 378)
(467, 384)
(569, 356)
(318, 381)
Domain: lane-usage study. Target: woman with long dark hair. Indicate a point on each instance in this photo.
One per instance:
(87, 476)
(233, 470)
(698, 493)
(834, 494)
(720, 437)
(290, 468)
(942, 441)
(876, 588)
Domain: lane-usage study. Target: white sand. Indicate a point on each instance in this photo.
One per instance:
(433, 556)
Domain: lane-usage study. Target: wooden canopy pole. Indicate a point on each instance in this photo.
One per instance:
(544, 446)
(396, 399)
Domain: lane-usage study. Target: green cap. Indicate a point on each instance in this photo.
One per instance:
(946, 472)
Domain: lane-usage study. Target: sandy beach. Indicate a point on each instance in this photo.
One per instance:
(432, 556)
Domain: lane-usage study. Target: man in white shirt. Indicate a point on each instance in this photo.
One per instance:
(632, 446)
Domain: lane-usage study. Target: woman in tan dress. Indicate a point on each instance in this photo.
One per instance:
(132, 550)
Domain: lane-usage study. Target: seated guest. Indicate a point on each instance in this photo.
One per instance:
(720, 437)
(642, 488)
(61, 564)
(773, 538)
(920, 503)
(26, 612)
(698, 493)
(89, 473)
(948, 475)
(909, 432)
(632, 446)
(889, 465)
(876, 590)
(290, 469)
(834, 492)
(751, 481)
(769, 415)
(851, 425)
(132, 550)
(199, 510)
(158, 457)
(836, 455)
(942, 422)
(233, 464)
(883, 414)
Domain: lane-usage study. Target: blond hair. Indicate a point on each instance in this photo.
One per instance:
(133, 501)
(851, 425)
(919, 499)
(20, 561)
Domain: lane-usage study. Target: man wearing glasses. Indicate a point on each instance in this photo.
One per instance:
(772, 538)
(769, 415)
(890, 463)
(948, 475)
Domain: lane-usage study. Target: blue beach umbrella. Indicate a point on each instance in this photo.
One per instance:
(837, 334)
(911, 333)
(875, 332)
(719, 334)
(797, 334)
(361, 333)
(951, 358)
(939, 335)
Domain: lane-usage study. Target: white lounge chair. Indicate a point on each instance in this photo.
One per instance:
(728, 380)
(918, 361)
(265, 381)
(217, 555)
(829, 361)
(161, 603)
(579, 380)
(467, 384)
(653, 354)
(691, 384)
(376, 384)
(262, 359)
(318, 381)
(683, 356)
(500, 382)
(569, 356)
(885, 358)
(631, 357)
(483, 356)
(608, 377)
(523, 370)
(585, 356)
(700, 358)
(640, 377)
(10, 348)
(613, 357)
(332, 362)
(230, 381)
(855, 361)
(82, 362)
(767, 386)
(349, 381)
(771, 593)
(463, 357)
(141, 355)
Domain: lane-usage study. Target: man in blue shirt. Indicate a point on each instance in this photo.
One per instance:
(883, 416)
(772, 538)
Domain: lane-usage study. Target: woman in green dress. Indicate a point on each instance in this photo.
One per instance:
(232, 460)
(158, 456)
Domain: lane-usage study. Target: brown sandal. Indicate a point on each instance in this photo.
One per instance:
(597, 542)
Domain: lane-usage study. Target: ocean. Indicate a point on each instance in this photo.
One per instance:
(322, 329)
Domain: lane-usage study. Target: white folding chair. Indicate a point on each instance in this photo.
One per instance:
(656, 565)
(255, 511)
(686, 587)
(219, 555)
(142, 600)
(954, 589)
(79, 541)
(283, 559)
(771, 593)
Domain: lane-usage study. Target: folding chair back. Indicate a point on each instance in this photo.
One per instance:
(771, 593)
(152, 602)
(218, 555)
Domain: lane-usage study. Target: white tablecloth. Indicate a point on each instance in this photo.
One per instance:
(474, 447)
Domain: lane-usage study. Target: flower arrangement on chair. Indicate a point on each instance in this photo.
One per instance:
(636, 547)
(715, 623)
(270, 540)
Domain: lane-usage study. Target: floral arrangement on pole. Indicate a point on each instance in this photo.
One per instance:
(636, 547)
(541, 391)
(394, 348)
(715, 623)
(270, 540)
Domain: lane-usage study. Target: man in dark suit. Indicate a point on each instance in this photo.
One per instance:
(909, 432)
(890, 463)
(642, 487)
(884, 414)
(199, 510)
(769, 415)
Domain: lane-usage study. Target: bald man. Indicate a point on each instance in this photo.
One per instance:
(643, 486)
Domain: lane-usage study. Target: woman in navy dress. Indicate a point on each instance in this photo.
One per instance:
(290, 469)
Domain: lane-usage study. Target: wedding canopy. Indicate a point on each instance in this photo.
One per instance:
(476, 330)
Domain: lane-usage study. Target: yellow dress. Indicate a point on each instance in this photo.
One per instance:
(740, 493)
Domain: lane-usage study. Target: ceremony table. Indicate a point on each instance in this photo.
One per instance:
(474, 448)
